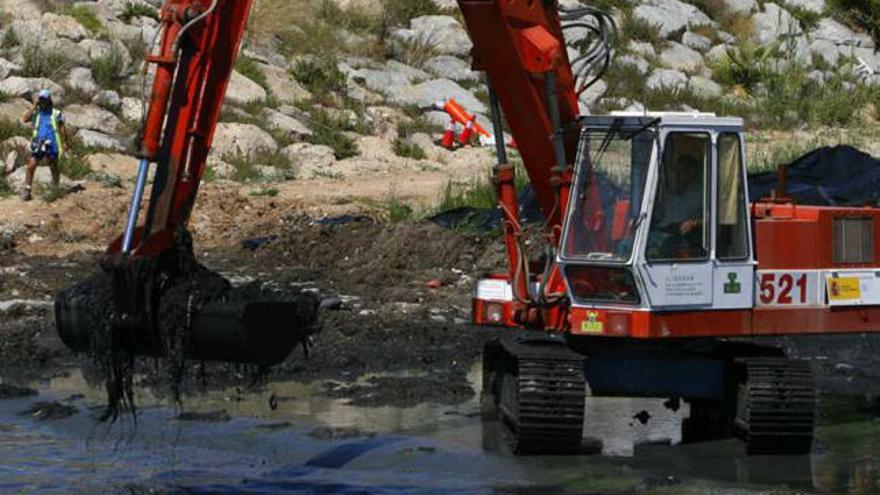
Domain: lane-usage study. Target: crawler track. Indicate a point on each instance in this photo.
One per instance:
(537, 387)
(777, 402)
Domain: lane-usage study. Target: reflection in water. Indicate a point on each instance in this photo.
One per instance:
(445, 449)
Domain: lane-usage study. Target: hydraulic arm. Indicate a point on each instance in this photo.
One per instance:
(161, 298)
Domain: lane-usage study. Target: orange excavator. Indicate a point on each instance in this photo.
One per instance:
(658, 277)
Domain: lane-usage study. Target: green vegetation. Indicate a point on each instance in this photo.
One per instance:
(265, 192)
(329, 131)
(133, 10)
(85, 16)
(38, 62)
(50, 193)
(250, 69)
(73, 166)
(10, 39)
(415, 52)
(807, 18)
(108, 69)
(478, 193)
(10, 129)
(862, 13)
(399, 12)
(405, 148)
(745, 65)
(321, 77)
(637, 29)
(397, 211)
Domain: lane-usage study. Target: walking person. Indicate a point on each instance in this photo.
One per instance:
(48, 140)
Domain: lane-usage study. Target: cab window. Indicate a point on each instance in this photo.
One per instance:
(731, 241)
(678, 230)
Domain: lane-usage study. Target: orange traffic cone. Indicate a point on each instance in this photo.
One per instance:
(448, 139)
(467, 133)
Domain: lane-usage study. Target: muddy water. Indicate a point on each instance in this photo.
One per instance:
(288, 438)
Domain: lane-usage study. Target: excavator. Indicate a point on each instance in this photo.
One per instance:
(658, 277)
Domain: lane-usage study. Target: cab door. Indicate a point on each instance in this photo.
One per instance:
(733, 261)
(676, 263)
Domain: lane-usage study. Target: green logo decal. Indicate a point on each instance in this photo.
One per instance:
(732, 286)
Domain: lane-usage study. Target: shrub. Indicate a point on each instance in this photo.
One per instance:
(634, 28)
(321, 77)
(85, 16)
(267, 192)
(416, 51)
(405, 148)
(745, 65)
(38, 62)
(11, 129)
(73, 166)
(399, 12)
(10, 39)
(133, 10)
(249, 68)
(108, 69)
(328, 131)
(807, 18)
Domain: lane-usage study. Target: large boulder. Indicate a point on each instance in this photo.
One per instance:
(108, 99)
(671, 16)
(99, 140)
(428, 93)
(92, 117)
(834, 32)
(451, 68)
(14, 109)
(285, 124)
(705, 87)
(116, 164)
(666, 79)
(827, 50)
(64, 26)
(28, 87)
(243, 91)
(696, 41)
(21, 10)
(774, 23)
(285, 89)
(7, 67)
(638, 63)
(80, 79)
(442, 33)
(132, 109)
(679, 57)
(309, 160)
(242, 140)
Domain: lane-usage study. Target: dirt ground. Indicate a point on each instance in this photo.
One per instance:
(403, 288)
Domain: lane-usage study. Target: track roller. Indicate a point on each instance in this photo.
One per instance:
(776, 406)
(536, 386)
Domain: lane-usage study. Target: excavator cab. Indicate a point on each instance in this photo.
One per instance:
(658, 214)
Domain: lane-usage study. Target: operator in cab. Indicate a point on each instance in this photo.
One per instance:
(47, 143)
(677, 226)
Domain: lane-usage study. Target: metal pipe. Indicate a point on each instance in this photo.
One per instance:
(134, 208)
(497, 128)
(553, 109)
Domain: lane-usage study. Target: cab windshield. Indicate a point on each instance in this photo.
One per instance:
(607, 194)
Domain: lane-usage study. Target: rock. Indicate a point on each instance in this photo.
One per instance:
(671, 16)
(108, 99)
(95, 139)
(827, 50)
(284, 88)
(49, 411)
(132, 109)
(30, 31)
(439, 119)
(814, 6)
(308, 160)
(680, 57)
(774, 23)
(442, 33)
(642, 48)
(115, 164)
(817, 76)
(451, 68)
(666, 78)
(740, 6)
(80, 79)
(717, 53)
(42, 176)
(243, 91)
(696, 41)
(242, 140)
(28, 87)
(285, 124)
(92, 117)
(70, 50)
(13, 110)
(7, 67)
(64, 26)
(725, 37)
(640, 64)
(705, 87)
(428, 93)
(832, 31)
(635, 107)
(21, 10)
